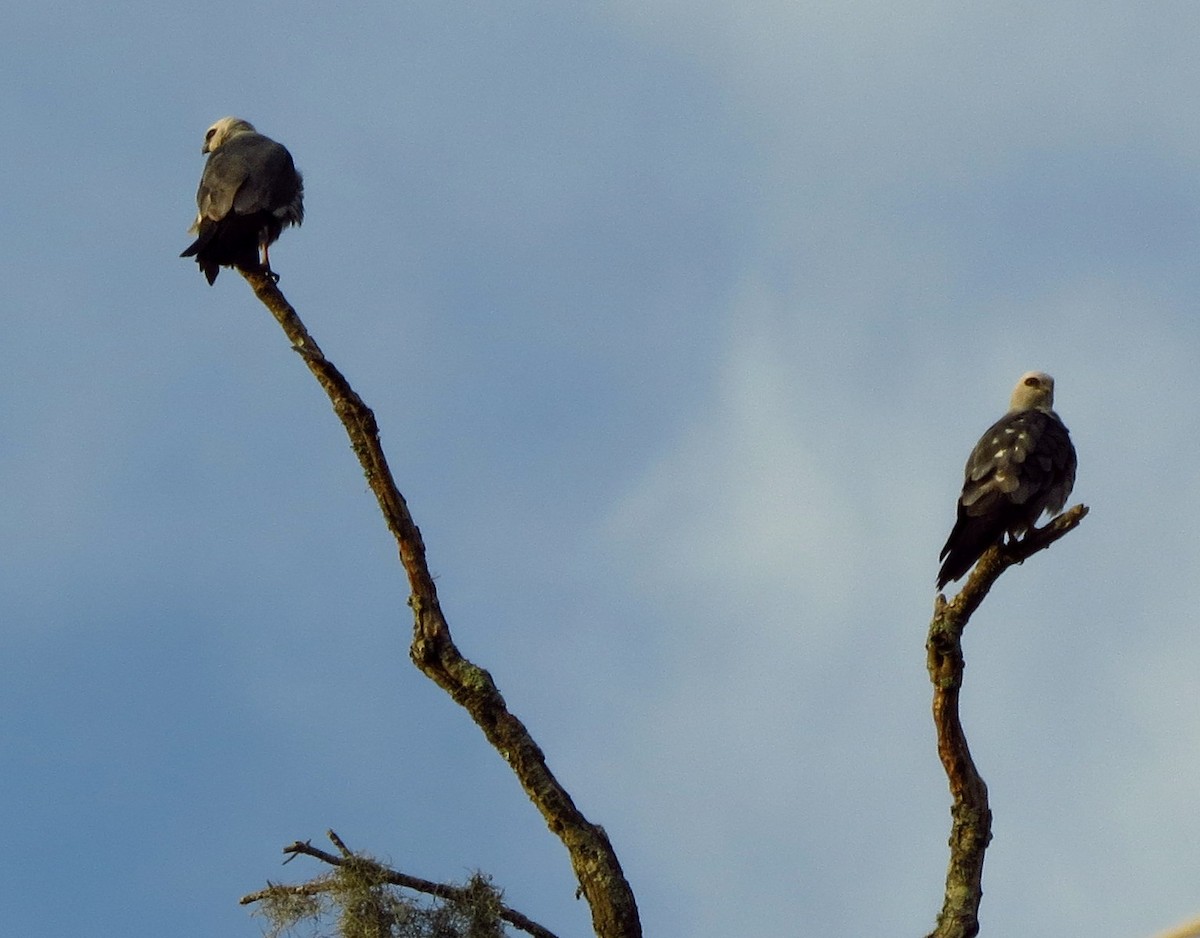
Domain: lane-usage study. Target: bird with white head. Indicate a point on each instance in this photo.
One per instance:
(249, 192)
(1022, 466)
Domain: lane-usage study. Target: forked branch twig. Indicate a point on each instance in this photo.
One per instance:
(383, 874)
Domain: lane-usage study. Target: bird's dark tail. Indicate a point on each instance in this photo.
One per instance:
(210, 267)
(968, 541)
(225, 245)
(206, 233)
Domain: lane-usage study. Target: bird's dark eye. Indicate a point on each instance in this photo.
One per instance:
(211, 132)
(1031, 382)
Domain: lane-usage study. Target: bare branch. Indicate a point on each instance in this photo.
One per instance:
(971, 818)
(601, 880)
(385, 875)
(313, 888)
(999, 558)
(335, 840)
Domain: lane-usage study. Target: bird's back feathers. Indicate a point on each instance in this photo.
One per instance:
(1022, 466)
(249, 192)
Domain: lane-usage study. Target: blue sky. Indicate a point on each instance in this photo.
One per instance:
(679, 321)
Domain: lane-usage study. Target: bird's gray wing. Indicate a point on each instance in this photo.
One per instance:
(1024, 458)
(271, 181)
(1055, 459)
(224, 176)
(251, 173)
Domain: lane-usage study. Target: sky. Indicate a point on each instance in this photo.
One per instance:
(679, 321)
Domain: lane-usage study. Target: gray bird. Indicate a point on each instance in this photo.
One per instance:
(249, 192)
(1024, 465)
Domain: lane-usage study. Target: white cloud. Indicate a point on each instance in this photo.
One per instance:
(742, 499)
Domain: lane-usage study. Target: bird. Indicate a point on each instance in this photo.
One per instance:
(1022, 466)
(249, 192)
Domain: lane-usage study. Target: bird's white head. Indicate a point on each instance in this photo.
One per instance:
(1035, 391)
(223, 130)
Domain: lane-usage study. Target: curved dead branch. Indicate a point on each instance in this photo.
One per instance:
(601, 879)
(971, 818)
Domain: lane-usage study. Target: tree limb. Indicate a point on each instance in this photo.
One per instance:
(386, 875)
(971, 827)
(601, 880)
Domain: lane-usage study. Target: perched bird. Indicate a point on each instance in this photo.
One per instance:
(1024, 465)
(249, 192)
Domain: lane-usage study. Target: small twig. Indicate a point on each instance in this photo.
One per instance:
(296, 853)
(971, 827)
(314, 888)
(337, 842)
(386, 875)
